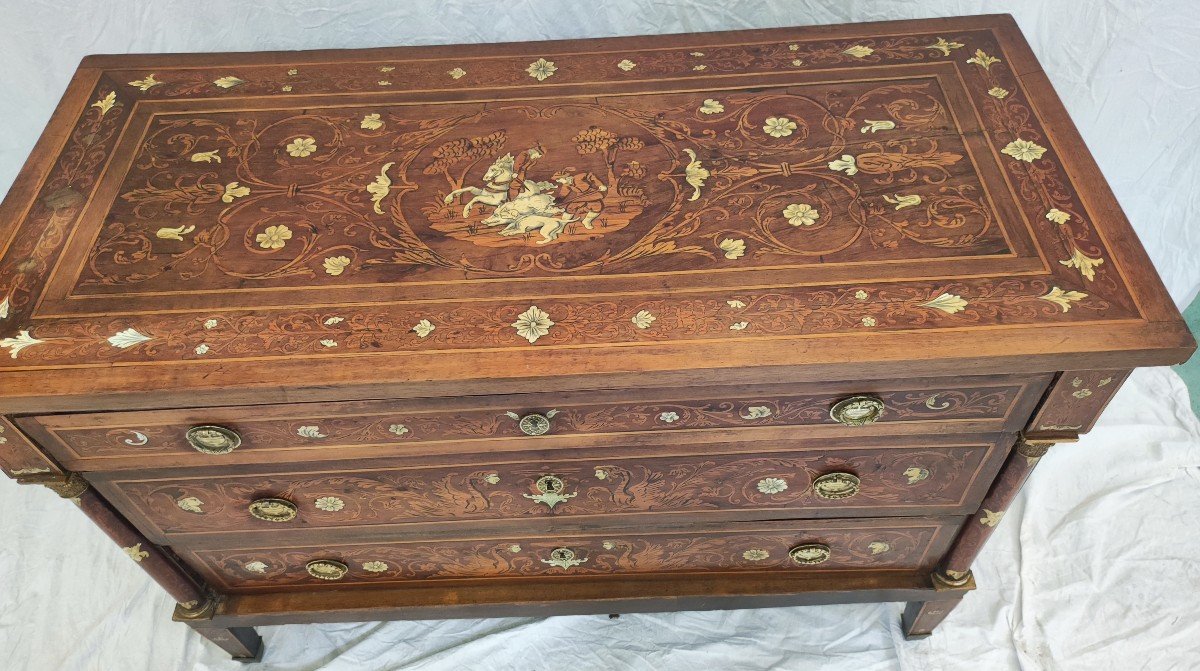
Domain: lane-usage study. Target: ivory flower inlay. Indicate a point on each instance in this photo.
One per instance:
(901, 202)
(733, 248)
(845, 163)
(736, 304)
(755, 554)
(869, 321)
(997, 92)
(301, 147)
(371, 122)
(256, 567)
(1024, 150)
(274, 237)
(191, 504)
(456, 73)
(310, 432)
(234, 190)
(533, 324)
(876, 126)
(336, 265)
(860, 295)
(756, 412)
(375, 566)
(541, 69)
(711, 106)
(330, 504)
(1058, 216)
(643, 319)
(739, 326)
(175, 233)
(423, 328)
(206, 156)
(398, 429)
(1063, 299)
(670, 417)
(627, 65)
(201, 349)
(801, 214)
(772, 485)
(779, 126)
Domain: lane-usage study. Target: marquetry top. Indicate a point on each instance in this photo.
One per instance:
(798, 198)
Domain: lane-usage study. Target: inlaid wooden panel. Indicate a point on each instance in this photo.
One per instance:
(945, 475)
(409, 219)
(324, 431)
(1076, 399)
(876, 545)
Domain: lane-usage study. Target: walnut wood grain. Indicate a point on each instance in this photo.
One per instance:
(364, 260)
(1013, 234)
(111, 441)
(946, 476)
(877, 545)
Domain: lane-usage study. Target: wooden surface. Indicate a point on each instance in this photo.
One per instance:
(684, 251)
(138, 240)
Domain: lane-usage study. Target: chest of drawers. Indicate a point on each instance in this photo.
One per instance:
(695, 321)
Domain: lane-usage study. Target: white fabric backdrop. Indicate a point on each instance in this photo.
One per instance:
(1094, 568)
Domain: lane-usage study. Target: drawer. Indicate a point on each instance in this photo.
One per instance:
(943, 475)
(900, 544)
(368, 429)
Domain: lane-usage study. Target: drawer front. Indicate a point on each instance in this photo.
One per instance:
(942, 475)
(875, 545)
(318, 431)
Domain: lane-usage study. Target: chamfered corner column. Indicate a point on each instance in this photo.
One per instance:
(921, 617)
(196, 602)
(1031, 447)
(242, 643)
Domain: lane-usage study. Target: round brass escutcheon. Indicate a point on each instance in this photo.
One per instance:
(534, 424)
(810, 553)
(549, 484)
(213, 439)
(857, 410)
(326, 569)
(273, 510)
(836, 486)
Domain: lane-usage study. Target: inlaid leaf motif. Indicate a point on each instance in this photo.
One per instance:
(846, 163)
(423, 328)
(983, 60)
(876, 126)
(944, 46)
(234, 190)
(106, 103)
(371, 122)
(711, 106)
(380, 187)
(733, 248)
(457, 73)
(948, 303)
(1084, 263)
(902, 202)
(175, 233)
(643, 319)
(310, 432)
(859, 51)
(1058, 216)
(228, 82)
(145, 83)
(191, 504)
(1063, 299)
(206, 156)
(127, 338)
(695, 174)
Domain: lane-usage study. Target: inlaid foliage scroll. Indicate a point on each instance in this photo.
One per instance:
(780, 482)
(800, 170)
(851, 548)
(327, 431)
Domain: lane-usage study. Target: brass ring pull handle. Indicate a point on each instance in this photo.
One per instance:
(810, 553)
(327, 569)
(836, 485)
(534, 424)
(211, 439)
(857, 410)
(273, 510)
(563, 558)
(550, 490)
